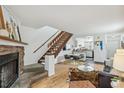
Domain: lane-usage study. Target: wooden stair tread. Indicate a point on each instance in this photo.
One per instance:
(57, 44)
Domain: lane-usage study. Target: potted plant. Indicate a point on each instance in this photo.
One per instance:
(115, 81)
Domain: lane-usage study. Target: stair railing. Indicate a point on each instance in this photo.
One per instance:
(44, 43)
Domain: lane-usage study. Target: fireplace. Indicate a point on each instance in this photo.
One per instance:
(8, 69)
(11, 64)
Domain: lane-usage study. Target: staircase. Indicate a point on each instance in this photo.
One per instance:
(55, 46)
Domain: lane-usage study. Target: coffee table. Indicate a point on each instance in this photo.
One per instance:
(77, 75)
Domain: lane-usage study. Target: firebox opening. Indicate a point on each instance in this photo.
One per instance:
(9, 69)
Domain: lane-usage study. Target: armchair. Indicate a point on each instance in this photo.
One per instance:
(104, 80)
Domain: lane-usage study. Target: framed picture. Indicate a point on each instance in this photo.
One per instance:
(10, 24)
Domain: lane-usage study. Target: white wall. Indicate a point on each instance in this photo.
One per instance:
(27, 34)
(113, 43)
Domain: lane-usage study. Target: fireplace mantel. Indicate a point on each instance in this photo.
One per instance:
(5, 49)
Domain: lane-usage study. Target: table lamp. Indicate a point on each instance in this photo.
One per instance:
(118, 61)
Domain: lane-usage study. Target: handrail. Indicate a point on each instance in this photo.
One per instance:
(44, 42)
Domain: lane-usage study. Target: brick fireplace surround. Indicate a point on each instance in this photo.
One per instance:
(4, 49)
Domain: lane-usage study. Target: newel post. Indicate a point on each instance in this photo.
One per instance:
(50, 64)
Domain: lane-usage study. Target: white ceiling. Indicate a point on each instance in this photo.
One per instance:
(80, 20)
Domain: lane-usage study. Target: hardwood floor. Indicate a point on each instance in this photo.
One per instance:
(60, 79)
